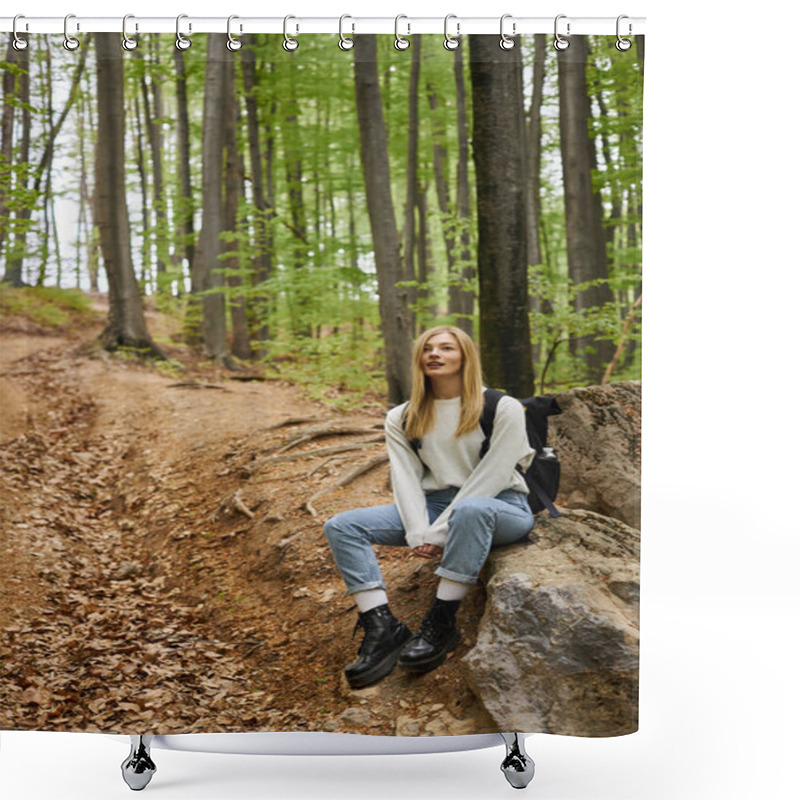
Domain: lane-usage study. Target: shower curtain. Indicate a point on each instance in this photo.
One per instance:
(215, 258)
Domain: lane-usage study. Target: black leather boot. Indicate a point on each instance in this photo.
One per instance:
(437, 636)
(383, 637)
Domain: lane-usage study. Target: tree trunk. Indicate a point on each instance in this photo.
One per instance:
(16, 252)
(534, 148)
(262, 222)
(412, 185)
(183, 212)
(377, 179)
(88, 134)
(144, 269)
(153, 115)
(534, 145)
(208, 279)
(7, 149)
(440, 177)
(502, 189)
(126, 325)
(586, 241)
(462, 296)
(293, 155)
(234, 175)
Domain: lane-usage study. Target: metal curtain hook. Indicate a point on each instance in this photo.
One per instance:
(623, 45)
(452, 42)
(181, 42)
(18, 43)
(128, 42)
(506, 42)
(290, 44)
(233, 44)
(400, 42)
(70, 42)
(346, 42)
(559, 42)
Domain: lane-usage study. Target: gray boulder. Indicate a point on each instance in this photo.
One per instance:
(557, 647)
(598, 441)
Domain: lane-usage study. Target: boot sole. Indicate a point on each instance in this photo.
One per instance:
(433, 662)
(379, 671)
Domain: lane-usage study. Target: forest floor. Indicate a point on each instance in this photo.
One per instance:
(160, 569)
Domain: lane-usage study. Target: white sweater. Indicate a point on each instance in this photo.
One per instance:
(454, 462)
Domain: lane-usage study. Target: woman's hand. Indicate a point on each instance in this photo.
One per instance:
(428, 551)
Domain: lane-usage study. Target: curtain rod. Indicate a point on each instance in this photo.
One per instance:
(75, 25)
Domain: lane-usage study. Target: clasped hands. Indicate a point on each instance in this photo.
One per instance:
(428, 551)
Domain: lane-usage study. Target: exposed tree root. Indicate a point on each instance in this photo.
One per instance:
(330, 429)
(320, 451)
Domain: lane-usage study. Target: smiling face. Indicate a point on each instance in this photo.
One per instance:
(442, 356)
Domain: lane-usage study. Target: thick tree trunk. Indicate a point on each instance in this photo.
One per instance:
(586, 241)
(462, 296)
(377, 179)
(126, 325)
(502, 190)
(208, 279)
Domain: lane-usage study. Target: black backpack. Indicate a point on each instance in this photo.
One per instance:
(544, 472)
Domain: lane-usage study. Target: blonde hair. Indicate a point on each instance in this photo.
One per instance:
(419, 415)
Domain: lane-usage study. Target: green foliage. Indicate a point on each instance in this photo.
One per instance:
(557, 326)
(334, 366)
(318, 295)
(47, 305)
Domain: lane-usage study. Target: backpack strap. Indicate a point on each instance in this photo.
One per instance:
(545, 500)
(491, 397)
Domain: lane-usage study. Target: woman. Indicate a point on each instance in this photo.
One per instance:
(450, 504)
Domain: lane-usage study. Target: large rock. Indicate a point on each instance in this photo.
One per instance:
(598, 441)
(557, 648)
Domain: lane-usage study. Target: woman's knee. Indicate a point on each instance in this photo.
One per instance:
(471, 511)
(332, 528)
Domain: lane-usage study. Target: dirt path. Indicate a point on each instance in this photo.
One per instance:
(160, 571)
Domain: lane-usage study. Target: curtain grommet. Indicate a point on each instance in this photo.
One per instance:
(128, 42)
(17, 42)
(451, 42)
(560, 42)
(400, 42)
(233, 44)
(71, 43)
(346, 42)
(181, 41)
(506, 41)
(289, 44)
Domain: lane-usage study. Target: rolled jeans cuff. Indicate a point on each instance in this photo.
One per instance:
(455, 576)
(364, 587)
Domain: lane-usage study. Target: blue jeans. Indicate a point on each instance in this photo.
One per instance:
(475, 526)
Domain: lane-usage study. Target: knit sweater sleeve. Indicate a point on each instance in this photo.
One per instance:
(508, 447)
(407, 472)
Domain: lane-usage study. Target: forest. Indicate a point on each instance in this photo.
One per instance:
(309, 212)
